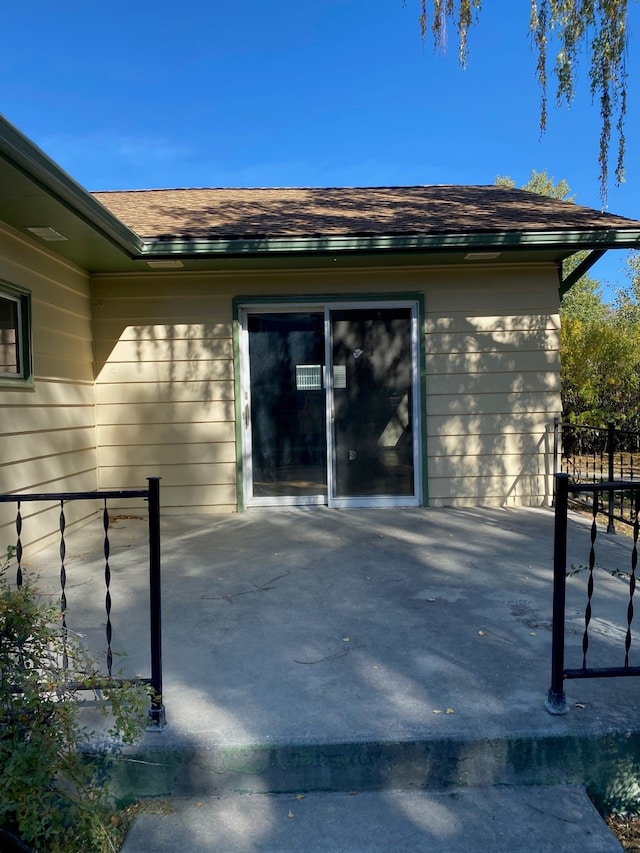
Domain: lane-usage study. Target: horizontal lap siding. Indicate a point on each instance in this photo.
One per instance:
(165, 377)
(493, 387)
(165, 389)
(47, 434)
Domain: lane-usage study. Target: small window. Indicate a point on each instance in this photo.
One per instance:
(15, 321)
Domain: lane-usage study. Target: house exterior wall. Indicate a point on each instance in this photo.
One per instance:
(165, 388)
(493, 388)
(165, 403)
(47, 432)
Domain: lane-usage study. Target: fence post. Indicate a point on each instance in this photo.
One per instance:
(156, 712)
(611, 527)
(556, 701)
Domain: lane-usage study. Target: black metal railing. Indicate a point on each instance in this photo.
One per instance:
(598, 455)
(556, 700)
(152, 496)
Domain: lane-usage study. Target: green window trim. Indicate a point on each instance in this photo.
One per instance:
(16, 364)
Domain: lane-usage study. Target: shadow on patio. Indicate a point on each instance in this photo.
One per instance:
(365, 648)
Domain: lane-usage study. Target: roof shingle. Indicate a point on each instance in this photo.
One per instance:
(348, 211)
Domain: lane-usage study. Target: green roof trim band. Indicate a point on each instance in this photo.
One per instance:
(573, 240)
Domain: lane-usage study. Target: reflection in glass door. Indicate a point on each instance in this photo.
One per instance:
(373, 422)
(286, 413)
(329, 405)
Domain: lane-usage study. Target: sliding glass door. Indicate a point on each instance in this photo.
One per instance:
(286, 412)
(329, 405)
(372, 423)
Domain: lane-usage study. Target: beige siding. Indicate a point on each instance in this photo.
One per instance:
(493, 388)
(165, 377)
(164, 389)
(48, 440)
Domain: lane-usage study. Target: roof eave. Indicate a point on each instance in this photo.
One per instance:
(570, 242)
(25, 156)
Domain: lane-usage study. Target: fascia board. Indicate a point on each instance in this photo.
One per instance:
(570, 241)
(34, 163)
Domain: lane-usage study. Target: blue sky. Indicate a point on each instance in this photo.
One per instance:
(283, 93)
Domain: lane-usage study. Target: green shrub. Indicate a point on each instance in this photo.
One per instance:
(53, 794)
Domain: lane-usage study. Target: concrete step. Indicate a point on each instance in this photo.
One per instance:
(168, 765)
(471, 820)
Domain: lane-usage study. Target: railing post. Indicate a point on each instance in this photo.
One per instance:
(556, 446)
(19, 576)
(157, 711)
(611, 527)
(556, 701)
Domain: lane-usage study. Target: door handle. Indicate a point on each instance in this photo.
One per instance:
(245, 416)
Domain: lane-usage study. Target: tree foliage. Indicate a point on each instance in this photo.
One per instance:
(601, 370)
(595, 28)
(627, 302)
(543, 184)
(600, 356)
(53, 798)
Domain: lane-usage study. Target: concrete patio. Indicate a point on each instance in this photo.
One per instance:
(369, 648)
(368, 627)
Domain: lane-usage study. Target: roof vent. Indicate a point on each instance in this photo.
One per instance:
(46, 232)
(482, 256)
(165, 265)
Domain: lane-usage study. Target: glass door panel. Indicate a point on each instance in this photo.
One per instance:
(287, 411)
(372, 428)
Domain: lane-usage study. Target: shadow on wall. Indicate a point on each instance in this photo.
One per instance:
(165, 400)
(188, 352)
(539, 467)
(493, 388)
(165, 393)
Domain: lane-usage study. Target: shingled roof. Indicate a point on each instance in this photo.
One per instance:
(233, 214)
(107, 232)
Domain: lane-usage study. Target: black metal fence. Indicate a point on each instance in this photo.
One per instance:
(599, 455)
(152, 496)
(599, 493)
